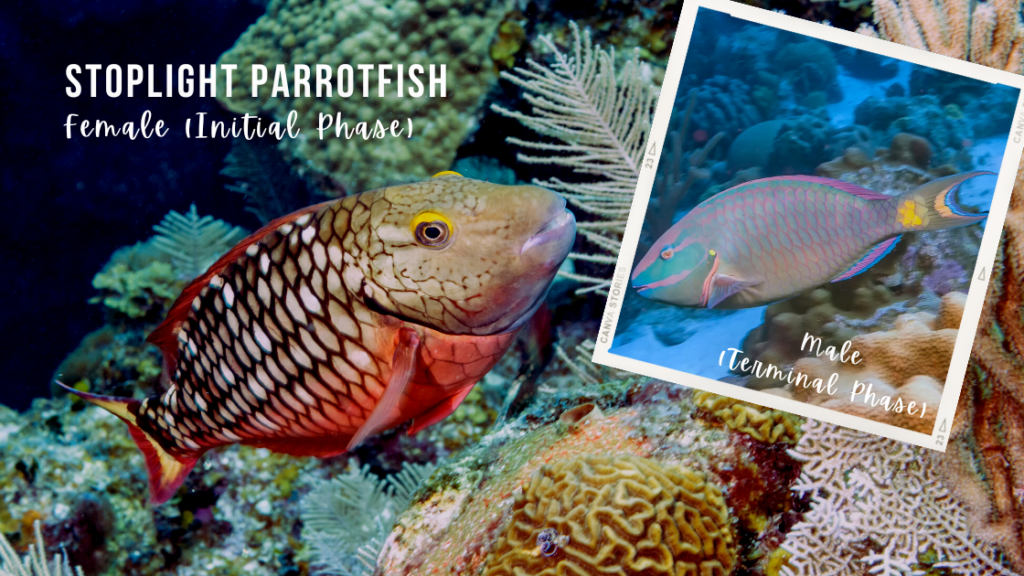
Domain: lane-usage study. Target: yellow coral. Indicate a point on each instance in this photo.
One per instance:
(621, 515)
(762, 424)
(455, 33)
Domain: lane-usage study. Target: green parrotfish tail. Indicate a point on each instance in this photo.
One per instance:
(771, 239)
(345, 319)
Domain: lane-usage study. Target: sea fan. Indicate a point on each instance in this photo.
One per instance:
(346, 520)
(194, 242)
(602, 119)
(34, 564)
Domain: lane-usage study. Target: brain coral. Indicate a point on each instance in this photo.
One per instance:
(760, 423)
(623, 515)
(456, 33)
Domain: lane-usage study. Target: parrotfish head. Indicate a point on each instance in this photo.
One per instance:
(464, 256)
(675, 273)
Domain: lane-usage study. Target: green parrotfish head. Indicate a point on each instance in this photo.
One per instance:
(676, 274)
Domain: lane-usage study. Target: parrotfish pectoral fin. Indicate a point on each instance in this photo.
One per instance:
(933, 206)
(872, 257)
(439, 412)
(723, 286)
(403, 366)
(166, 472)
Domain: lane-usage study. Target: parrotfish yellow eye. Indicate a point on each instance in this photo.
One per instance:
(667, 253)
(432, 230)
(711, 252)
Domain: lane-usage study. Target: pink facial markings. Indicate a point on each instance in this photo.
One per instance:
(705, 295)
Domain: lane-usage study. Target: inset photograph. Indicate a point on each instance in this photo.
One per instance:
(820, 217)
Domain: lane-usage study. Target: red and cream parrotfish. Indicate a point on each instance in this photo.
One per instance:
(345, 319)
(773, 238)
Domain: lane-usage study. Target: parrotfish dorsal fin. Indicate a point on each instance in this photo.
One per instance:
(165, 336)
(854, 189)
(870, 259)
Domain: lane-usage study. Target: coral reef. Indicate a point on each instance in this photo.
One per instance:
(624, 513)
(909, 362)
(139, 283)
(271, 187)
(677, 174)
(949, 134)
(34, 564)
(989, 33)
(345, 520)
(985, 456)
(472, 506)
(723, 105)
(809, 67)
(455, 33)
(193, 242)
(760, 423)
(802, 143)
(879, 506)
(603, 136)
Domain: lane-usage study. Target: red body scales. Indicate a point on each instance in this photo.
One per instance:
(346, 319)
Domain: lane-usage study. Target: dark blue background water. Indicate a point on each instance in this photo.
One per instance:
(67, 204)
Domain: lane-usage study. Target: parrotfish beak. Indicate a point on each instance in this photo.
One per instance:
(554, 239)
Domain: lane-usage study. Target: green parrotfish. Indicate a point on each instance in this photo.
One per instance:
(771, 239)
(345, 319)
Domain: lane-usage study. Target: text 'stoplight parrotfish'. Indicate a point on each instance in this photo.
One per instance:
(347, 318)
(771, 239)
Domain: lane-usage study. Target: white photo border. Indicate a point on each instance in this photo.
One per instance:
(939, 437)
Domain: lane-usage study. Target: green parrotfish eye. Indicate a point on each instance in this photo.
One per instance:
(666, 267)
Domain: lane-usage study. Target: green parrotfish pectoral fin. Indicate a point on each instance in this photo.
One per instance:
(933, 206)
(720, 284)
(403, 367)
(872, 257)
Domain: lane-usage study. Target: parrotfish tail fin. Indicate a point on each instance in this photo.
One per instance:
(166, 472)
(934, 205)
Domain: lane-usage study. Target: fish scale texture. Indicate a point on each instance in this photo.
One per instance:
(278, 350)
(623, 516)
(793, 233)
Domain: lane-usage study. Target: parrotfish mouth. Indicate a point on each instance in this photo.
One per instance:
(554, 229)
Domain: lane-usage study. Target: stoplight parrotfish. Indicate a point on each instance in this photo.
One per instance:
(771, 239)
(345, 319)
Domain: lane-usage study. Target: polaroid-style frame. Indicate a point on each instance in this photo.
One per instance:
(695, 362)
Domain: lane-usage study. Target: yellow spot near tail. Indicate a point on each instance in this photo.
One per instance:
(446, 173)
(909, 218)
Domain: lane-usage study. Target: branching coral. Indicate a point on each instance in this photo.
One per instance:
(601, 119)
(623, 515)
(990, 34)
(879, 506)
(346, 519)
(455, 33)
(34, 564)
